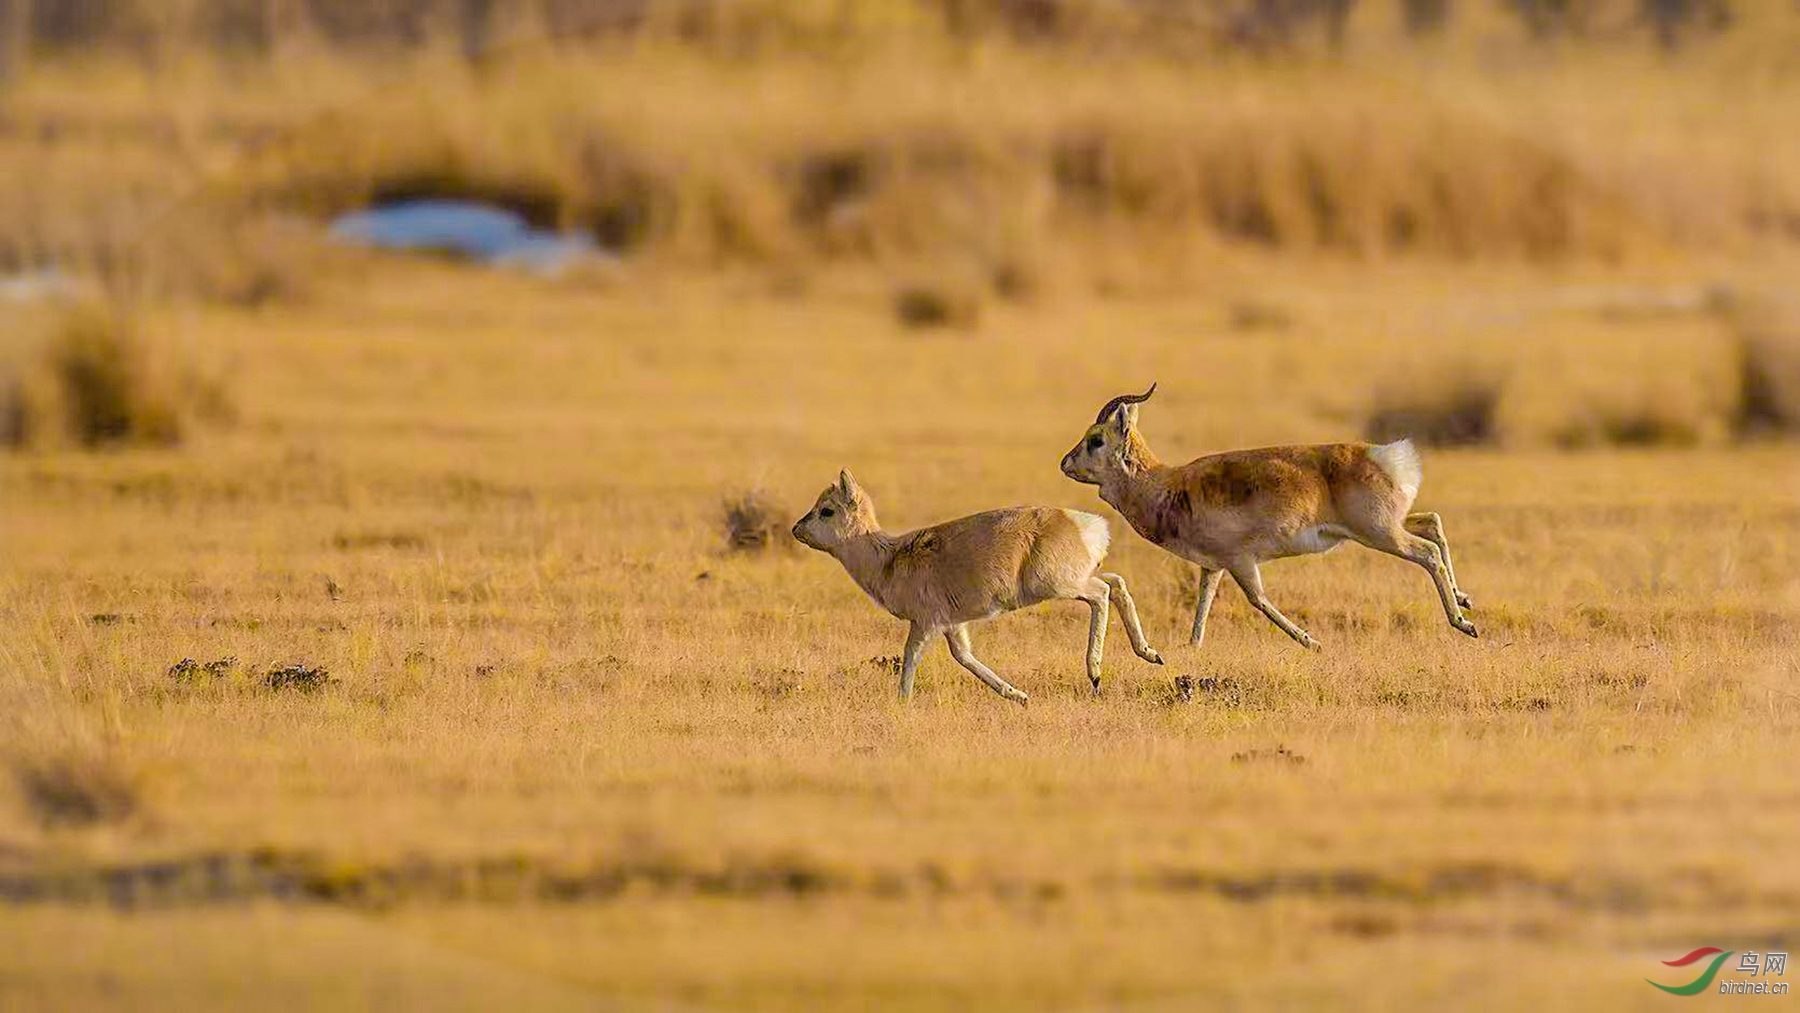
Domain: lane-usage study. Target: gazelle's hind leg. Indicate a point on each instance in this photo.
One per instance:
(1424, 552)
(1431, 526)
(1249, 578)
(1140, 644)
(958, 638)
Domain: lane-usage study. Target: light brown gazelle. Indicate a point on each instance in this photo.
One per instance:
(942, 578)
(1230, 512)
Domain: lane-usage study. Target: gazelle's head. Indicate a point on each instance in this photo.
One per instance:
(1104, 447)
(842, 512)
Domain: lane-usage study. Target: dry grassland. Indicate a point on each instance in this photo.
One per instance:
(573, 745)
(419, 670)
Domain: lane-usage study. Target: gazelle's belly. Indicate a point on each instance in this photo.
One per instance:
(1309, 540)
(1206, 557)
(1202, 560)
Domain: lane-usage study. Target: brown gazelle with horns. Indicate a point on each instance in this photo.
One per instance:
(1229, 512)
(944, 577)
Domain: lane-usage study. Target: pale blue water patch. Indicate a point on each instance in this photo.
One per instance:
(43, 284)
(480, 232)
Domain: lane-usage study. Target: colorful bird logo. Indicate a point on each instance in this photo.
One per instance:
(1699, 984)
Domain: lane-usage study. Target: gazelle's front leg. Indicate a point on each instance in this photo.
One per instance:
(958, 638)
(1249, 578)
(916, 637)
(1209, 587)
(1096, 596)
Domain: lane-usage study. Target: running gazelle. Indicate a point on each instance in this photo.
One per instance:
(1229, 512)
(945, 577)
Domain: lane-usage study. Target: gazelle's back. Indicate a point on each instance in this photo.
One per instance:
(1246, 498)
(992, 562)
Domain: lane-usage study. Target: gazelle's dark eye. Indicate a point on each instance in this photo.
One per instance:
(826, 512)
(1094, 442)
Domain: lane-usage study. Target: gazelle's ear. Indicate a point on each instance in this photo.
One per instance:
(847, 485)
(1124, 418)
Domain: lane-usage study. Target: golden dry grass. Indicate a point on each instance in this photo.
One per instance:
(1111, 165)
(577, 748)
(436, 682)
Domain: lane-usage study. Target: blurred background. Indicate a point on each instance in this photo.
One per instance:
(1629, 162)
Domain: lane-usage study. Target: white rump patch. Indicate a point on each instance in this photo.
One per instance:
(1094, 533)
(1400, 461)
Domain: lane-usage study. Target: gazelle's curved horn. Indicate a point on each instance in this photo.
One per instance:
(1123, 399)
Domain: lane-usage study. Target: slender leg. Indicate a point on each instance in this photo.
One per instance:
(958, 638)
(1249, 578)
(1097, 595)
(1431, 526)
(1422, 551)
(1209, 586)
(1140, 644)
(916, 638)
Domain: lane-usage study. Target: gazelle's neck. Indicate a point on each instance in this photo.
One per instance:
(865, 558)
(1137, 473)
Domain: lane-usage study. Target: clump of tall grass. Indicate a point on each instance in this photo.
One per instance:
(752, 523)
(1456, 411)
(935, 303)
(1583, 381)
(77, 788)
(1630, 425)
(1768, 337)
(88, 377)
(95, 202)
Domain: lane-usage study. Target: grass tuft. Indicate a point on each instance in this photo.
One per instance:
(1644, 425)
(76, 790)
(925, 305)
(303, 678)
(111, 394)
(1769, 372)
(752, 523)
(1457, 412)
(189, 672)
(89, 377)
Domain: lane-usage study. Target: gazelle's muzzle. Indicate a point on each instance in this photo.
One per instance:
(1069, 469)
(800, 535)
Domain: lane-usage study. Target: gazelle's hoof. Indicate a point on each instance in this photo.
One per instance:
(1152, 657)
(1467, 627)
(1465, 601)
(1310, 644)
(1017, 697)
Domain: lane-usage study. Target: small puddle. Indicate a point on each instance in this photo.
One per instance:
(41, 285)
(478, 232)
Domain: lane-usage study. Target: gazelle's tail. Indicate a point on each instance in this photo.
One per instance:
(1400, 461)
